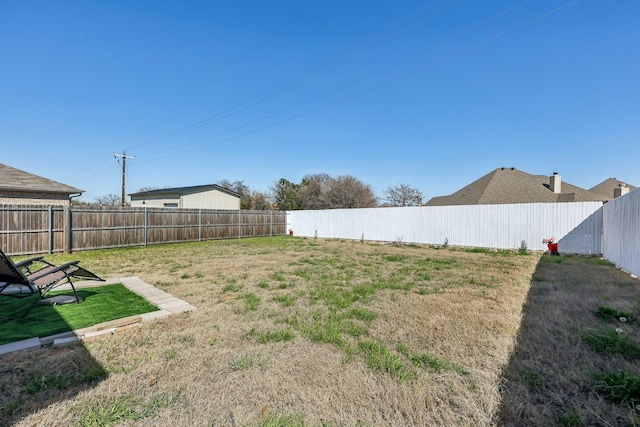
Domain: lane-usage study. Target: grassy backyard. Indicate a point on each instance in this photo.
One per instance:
(305, 332)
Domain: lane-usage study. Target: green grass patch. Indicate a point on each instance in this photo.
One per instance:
(619, 387)
(251, 301)
(285, 300)
(612, 341)
(279, 420)
(425, 360)
(278, 335)
(124, 408)
(610, 314)
(380, 358)
(241, 363)
(98, 305)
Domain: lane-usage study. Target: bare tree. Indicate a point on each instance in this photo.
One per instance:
(144, 189)
(258, 201)
(242, 189)
(403, 195)
(108, 200)
(313, 191)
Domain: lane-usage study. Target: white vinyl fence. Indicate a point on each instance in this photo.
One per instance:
(488, 226)
(621, 232)
(585, 238)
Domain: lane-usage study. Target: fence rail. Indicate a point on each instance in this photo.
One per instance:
(38, 229)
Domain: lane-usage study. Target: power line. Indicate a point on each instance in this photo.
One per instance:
(360, 92)
(316, 71)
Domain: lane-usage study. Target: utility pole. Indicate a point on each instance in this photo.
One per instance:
(124, 158)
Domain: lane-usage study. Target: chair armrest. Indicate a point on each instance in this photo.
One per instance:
(35, 276)
(27, 262)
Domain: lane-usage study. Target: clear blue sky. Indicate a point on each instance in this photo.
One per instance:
(433, 94)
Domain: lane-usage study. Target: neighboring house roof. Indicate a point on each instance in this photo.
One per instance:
(12, 179)
(510, 185)
(607, 187)
(181, 191)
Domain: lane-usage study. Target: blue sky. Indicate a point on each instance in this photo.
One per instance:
(433, 94)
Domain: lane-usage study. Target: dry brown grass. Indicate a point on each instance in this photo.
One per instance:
(283, 336)
(549, 379)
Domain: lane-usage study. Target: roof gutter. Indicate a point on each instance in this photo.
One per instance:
(71, 196)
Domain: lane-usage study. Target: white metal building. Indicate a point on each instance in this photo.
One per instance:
(197, 197)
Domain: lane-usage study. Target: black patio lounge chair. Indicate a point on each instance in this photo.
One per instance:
(36, 275)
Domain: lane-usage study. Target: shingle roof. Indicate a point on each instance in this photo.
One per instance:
(186, 190)
(510, 185)
(12, 179)
(606, 187)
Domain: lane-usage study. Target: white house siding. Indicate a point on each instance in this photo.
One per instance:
(154, 203)
(490, 226)
(212, 199)
(621, 232)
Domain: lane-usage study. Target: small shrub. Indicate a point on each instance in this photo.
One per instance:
(445, 245)
(523, 249)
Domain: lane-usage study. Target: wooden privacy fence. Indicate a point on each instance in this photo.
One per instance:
(38, 229)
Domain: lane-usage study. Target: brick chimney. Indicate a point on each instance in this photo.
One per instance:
(555, 183)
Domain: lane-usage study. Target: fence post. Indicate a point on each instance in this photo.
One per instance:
(50, 231)
(270, 223)
(67, 230)
(239, 223)
(146, 227)
(200, 225)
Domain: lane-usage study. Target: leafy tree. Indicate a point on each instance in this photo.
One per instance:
(321, 191)
(403, 195)
(285, 195)
(349, 192)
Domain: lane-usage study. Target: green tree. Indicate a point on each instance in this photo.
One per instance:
(285, 195)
